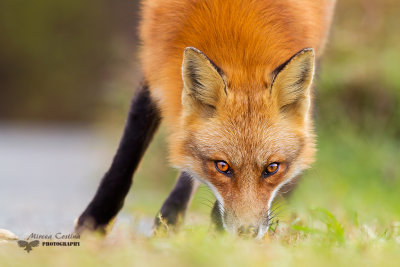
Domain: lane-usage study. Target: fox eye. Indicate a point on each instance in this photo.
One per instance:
(271, 169)
(222, 167)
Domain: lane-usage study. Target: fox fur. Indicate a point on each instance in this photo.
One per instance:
(247, 39)
(249, 109)
(232, 80)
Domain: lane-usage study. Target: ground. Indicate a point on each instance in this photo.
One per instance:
(344, 212)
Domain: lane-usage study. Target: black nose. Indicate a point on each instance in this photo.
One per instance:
(247, 231)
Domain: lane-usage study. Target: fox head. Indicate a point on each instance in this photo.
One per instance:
(245, 143)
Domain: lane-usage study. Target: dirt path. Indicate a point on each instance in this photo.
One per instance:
(48, 175)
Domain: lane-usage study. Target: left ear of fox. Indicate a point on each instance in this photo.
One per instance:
(291, 85)
(203, 84)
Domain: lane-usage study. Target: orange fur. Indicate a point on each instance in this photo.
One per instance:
(243, 37)
(250, 116)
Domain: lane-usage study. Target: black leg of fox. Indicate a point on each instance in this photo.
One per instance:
(142, 122)
(174, 207)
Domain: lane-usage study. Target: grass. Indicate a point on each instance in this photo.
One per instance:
(344, 212)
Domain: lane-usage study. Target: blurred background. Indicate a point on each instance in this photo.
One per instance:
(68, 70)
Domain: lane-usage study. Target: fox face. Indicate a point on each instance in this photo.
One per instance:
(245, 143)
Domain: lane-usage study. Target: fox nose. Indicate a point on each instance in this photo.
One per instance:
(247, 231)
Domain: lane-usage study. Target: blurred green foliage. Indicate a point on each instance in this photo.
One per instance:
(55, 56)
(358, 80)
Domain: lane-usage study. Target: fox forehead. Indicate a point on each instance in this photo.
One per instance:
(239, 146)
(247, 131)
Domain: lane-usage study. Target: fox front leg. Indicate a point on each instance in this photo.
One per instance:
(142, 122)
(173, 210)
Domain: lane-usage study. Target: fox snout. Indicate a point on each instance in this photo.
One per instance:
(248, 231)
(247, 225)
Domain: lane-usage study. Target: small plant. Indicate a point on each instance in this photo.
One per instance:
(324, 225)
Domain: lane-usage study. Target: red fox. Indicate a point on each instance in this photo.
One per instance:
(232, 81)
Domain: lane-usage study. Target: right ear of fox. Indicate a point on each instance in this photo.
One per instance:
(292, 82)
(203, 84)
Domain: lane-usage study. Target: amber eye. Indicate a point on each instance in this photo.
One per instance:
(271, 169)
(222, 167)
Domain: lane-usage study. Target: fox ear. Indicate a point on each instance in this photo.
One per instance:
(203, 84)
(291, 85)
